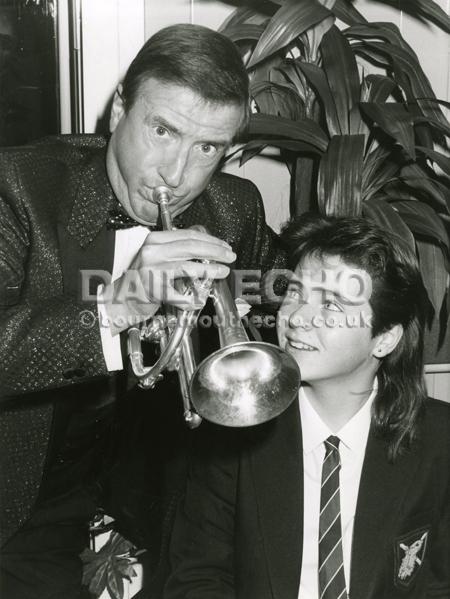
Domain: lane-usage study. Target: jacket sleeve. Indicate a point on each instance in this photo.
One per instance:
(255, 243)
(259, 248)
(202, 553)
(44, 343)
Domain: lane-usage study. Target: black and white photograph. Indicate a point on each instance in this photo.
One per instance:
(224, 299)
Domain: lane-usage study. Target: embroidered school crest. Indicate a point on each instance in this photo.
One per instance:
(410, 554)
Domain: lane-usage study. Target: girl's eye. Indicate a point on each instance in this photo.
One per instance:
(293, 293)
(333, 306)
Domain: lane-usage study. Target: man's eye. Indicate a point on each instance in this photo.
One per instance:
(161, 131)
(208, 149)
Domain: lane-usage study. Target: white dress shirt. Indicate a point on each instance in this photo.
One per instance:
(353, 436)
(127, 244)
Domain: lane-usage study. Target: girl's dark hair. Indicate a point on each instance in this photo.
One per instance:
(195, 57)
(398, 297)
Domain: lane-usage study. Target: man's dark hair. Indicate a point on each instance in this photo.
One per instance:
(195, 57)
(398, 297)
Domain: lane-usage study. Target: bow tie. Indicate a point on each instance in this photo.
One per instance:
(117, 219)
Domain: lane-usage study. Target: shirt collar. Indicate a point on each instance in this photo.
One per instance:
(353, 434)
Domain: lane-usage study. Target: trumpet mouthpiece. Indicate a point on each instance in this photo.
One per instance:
(162, 195)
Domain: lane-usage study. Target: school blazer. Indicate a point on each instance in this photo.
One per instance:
(238, 532)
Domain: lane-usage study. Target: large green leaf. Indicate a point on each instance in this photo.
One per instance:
(313, 36)
(434, 274)
(357, 124)
(415, 176)
(254, 147)
(306, 130)
(364, 50)
(340, 176)
(289, 69)
(291, 20)
(277, 99)
(378, 170)
(379, 88)
(423, 132)
(267, 103)
(436, 101)
(445, 129)
(440, 159)
(386, 217)
(413, 189)
(319, 83)
(427, 9)
(394, 120)
(374, 88)
(347, 13)
(341, 70)
(423, 221)
(409, 74)
(380, 30)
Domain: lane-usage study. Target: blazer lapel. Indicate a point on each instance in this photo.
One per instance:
(280, 505)
(84, 241)
(381, 493)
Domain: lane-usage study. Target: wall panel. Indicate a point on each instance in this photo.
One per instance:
(160, 13)
(438, 385)
(112, 33)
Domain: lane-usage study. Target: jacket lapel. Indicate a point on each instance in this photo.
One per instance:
(280, 506)
(84, 241)
(94, 197)
(381, 492)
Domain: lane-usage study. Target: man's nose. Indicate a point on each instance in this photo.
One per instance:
(173, 167)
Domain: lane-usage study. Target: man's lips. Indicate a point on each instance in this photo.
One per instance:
(149, 196)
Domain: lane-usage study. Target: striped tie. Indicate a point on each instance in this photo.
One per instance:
(331, 562)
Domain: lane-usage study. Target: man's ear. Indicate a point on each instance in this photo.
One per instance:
(386, 342)
(117, 109)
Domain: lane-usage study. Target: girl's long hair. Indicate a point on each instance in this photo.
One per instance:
(398, 297)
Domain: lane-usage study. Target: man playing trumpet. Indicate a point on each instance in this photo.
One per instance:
(182, 103)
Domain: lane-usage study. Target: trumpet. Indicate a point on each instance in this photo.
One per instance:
(243, 383)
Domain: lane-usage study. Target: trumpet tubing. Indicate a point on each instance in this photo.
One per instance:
(241, 384)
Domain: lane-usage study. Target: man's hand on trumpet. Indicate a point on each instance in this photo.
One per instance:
(164, 258)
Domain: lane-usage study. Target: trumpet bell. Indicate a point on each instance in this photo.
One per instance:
(244, 384)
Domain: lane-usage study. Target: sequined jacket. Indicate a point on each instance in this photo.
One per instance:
(54, 201)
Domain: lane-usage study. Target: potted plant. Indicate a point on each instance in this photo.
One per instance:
(354, 116)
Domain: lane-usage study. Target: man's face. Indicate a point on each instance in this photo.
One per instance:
(170, 136)
(324, 323)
